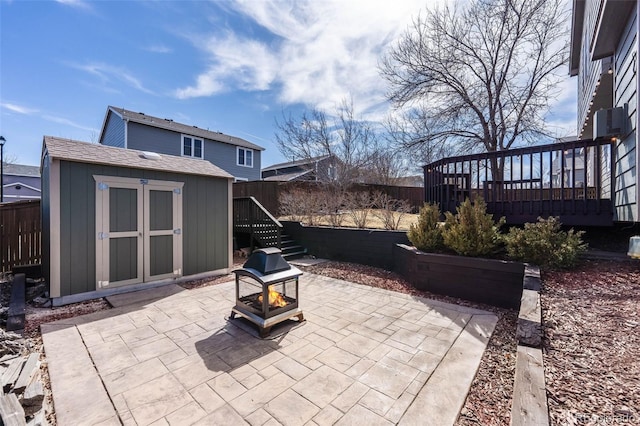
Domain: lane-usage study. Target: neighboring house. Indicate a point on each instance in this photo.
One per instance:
(116, 220)
(318, 169)
(604, 56)
(136, 130)
(20, 182)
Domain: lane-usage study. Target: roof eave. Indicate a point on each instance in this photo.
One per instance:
(609, 28)
(577, 19)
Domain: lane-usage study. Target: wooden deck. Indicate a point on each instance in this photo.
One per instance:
(571, 180)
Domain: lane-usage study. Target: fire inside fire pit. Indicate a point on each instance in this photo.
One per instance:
(267, 290)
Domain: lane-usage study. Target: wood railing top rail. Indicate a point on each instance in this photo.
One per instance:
(534, 149)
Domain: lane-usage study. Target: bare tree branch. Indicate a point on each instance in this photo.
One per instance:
(352, 142)
(481, 73)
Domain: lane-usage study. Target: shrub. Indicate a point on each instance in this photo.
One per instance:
(389, 210)
(331, 201)
(426, 235)
(290, 205)
(301, 205)
(472, 231)
(544, 243)
(359, 205)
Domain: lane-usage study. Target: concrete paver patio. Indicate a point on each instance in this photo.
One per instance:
(364, 356)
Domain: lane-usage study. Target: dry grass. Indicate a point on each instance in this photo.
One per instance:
(373, 222)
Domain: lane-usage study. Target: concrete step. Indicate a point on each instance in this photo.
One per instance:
(294, 255)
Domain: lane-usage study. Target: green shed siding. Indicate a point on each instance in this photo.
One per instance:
(205, 222)
(201, 220)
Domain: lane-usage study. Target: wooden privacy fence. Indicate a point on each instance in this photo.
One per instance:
(20, 234)
(268, 193)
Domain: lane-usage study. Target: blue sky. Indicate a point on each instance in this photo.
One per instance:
(230, 66)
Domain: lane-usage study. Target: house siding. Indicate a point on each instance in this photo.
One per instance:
(114, 131)
(205, 222)
(146, 138)
(589, 70)
(625, 95)
(225, 156)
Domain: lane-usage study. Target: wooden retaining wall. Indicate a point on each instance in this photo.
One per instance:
(372, 247)
(494, 282)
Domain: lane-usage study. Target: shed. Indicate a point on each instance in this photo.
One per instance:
(117, 220)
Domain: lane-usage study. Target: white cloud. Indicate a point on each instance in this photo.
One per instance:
(109, 73)
(323, 51)
(562, 117)
(44, 115)
(67, 122)
(80, 4)
(158, 48)
(18, 108)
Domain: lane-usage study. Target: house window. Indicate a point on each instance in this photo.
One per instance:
(240, 179)
(245, 157)
(192, 147)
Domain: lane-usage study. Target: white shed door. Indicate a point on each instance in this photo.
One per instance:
(139, 230)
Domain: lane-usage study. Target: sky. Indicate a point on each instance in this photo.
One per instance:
(229, 66)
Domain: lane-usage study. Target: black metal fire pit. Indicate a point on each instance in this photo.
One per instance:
(267, 290)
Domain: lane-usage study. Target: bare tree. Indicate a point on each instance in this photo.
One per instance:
(479, 74)
(353, 143)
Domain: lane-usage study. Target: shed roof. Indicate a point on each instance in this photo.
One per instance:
(85, 152)
(169, 124)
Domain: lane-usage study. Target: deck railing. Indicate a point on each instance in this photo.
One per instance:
(250, 217)
(571, 180)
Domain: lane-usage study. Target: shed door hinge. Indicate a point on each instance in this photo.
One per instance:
(103, 235)
(177, 191)
(177, 231)
(103, 186)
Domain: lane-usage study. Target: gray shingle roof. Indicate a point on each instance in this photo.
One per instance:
(84, 152)
(168, 124)
(286, 177)
(296, 163)
(21, 170)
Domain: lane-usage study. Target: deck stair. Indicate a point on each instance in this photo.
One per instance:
(261, 228)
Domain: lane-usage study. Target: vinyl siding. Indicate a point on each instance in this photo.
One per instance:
(223, 155)
(625, 95)
(113, 131)
(205, 222)
(146, 138)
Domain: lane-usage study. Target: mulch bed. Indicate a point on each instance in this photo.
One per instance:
(592, 343)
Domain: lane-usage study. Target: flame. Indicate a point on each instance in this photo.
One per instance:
(275, 298)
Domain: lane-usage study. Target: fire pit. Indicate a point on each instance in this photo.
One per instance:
(267, 290)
